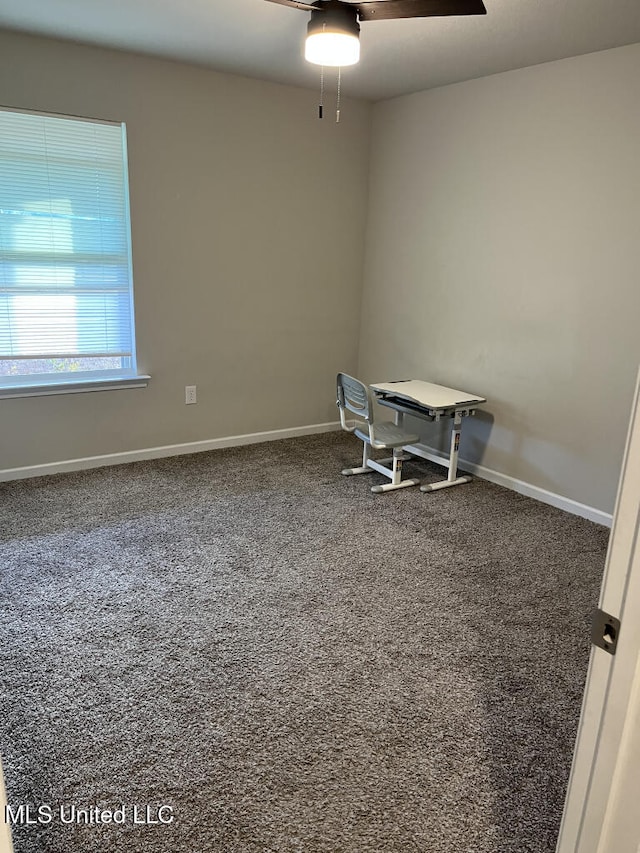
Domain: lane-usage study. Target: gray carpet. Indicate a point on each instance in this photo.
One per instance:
(287, 660)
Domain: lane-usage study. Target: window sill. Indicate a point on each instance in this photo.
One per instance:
(9, 391)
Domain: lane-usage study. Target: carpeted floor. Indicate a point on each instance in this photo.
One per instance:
(288, 661)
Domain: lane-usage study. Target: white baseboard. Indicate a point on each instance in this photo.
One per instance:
(160, 452)
(542, 495)
(508, 482)
(559, 501)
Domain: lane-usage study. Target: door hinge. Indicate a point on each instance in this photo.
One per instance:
(605, 630)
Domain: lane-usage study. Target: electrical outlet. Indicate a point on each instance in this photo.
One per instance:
(190, 394)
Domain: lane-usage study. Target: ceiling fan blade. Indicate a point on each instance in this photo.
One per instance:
(296, 5)
(385, 10)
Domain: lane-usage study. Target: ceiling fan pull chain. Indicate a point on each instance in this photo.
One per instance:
(338, 96)
(321, 104)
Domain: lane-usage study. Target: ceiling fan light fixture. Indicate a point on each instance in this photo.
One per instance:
(332, 49)
(333, 36)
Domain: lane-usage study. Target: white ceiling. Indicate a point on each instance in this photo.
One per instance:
(260, 39)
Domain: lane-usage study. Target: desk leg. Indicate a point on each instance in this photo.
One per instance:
(452, 479)
(456, 429)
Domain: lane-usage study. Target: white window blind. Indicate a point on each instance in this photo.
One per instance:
(66, 300)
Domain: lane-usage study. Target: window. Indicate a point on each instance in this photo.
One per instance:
(66, 290)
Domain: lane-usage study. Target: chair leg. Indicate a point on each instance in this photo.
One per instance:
(364, 469)
(394, 474)
(390, 487)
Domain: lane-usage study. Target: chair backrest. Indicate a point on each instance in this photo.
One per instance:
(354, 396)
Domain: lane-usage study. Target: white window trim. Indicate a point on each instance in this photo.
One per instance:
(70, 387)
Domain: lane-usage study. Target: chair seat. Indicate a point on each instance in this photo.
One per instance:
(388, 434)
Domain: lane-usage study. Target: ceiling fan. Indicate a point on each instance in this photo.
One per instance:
(334, 29)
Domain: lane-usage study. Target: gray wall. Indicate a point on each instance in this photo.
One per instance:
(248, 222)
(502, 258)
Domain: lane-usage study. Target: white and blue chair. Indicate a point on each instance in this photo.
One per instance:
(355, 397)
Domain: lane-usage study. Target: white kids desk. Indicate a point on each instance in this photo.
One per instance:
(432, 403)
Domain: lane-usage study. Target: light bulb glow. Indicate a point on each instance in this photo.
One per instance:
(327, 48)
